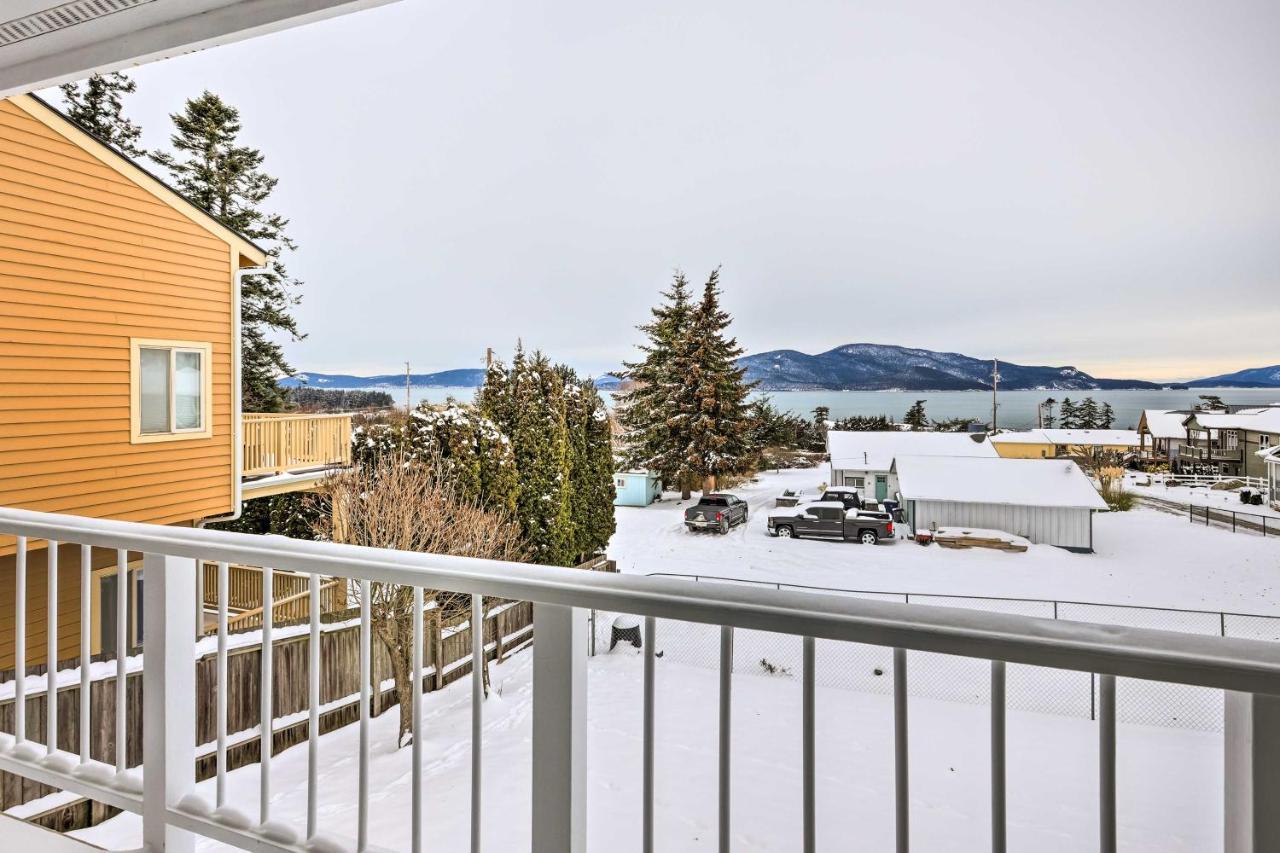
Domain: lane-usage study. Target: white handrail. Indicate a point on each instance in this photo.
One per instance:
(1229, 664)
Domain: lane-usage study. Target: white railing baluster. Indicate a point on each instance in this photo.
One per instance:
(998, 821)
(726, 740)
(416, 667)
(122, 650)
(646, 784)
(808, 746)
(168, 697)
(51, 675)
(477, 714)
(223, 594)
(1107, 763)
(266, 713)
(362, 819)
(559, 729)
(313, 711)
(901, 787)
(86, 560)
(20, 644)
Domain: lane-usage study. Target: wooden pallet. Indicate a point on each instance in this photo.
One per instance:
(959, 538)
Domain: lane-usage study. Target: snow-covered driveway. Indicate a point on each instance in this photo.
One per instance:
(1143, 557)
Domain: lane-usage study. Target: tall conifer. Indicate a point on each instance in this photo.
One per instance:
(212, 168)
(97, 105)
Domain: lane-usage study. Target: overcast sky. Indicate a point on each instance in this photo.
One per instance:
(1085, 183)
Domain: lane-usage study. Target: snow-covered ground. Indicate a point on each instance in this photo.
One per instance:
(1142, 557)
(1196, 496)
(1170, 781)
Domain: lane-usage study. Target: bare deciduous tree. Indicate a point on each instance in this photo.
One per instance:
(413, 506)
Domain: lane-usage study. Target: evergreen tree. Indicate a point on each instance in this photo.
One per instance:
(1068, 417)
(211, 167)
(1088, 414)
(1046, 418)
(1107, 419)
(863, 423)
(652, 440)
(915, 417)
(97, 105)
(712, 397)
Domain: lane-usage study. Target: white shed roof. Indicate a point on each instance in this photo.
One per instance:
(1093, 437)
(875, 451)
(1016, 482)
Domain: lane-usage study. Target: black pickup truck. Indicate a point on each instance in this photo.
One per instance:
(716, 512)
(831, 520)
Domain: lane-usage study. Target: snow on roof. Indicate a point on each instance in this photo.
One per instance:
(1025, 436)
(1093, 437)
(1165, 423)
(1016, 482)
(875, 451)
(1257, 420)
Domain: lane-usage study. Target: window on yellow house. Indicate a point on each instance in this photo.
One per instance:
(171, 389)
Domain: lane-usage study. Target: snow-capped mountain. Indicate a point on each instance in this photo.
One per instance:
(880, 367)
(1253, 377)
(463, 378)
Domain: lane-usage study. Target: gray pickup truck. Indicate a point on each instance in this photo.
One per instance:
(716, 512)
(831, 520)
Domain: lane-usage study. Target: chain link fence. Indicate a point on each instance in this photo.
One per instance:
(869, 669)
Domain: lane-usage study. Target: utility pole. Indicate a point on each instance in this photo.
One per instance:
(995, 386)
(408, 397)
(488, 358)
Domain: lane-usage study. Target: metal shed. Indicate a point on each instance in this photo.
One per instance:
(1048, 501)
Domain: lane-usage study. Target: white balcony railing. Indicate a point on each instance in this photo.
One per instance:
(173, 814)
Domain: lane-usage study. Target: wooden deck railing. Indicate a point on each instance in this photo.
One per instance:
(281, 443)
(290, 593)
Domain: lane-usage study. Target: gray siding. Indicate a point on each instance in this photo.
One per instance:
(1064, 527)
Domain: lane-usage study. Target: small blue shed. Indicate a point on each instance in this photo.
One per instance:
(636, 488)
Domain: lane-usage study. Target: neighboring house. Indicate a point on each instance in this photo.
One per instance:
(1045, 501)
(636, 488)
(119, 353)
(1271, 462)
(1161, 433)
(864, 460)
(1229, 443)
(1051, 443)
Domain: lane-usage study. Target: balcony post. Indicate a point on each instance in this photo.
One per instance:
(559, 729)
(1252, 777)
(168, 697)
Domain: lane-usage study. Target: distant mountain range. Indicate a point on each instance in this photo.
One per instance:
(469, 377)
(879, 367)
(853, 367)
(1254, 377)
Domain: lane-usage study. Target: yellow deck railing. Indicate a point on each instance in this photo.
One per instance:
(281, 443)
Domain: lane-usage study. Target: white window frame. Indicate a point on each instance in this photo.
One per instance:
(1264, 441)
(201, 348)
(1230, 439)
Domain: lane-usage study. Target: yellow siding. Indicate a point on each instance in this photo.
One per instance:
(90, 258)
(1021, 450)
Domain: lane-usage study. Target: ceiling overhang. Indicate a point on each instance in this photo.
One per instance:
(46, 42)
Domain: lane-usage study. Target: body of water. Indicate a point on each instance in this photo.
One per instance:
(1017, 408)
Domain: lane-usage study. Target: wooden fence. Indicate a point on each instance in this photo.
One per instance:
(506, 627)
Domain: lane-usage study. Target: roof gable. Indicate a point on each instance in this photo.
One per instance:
(249, 253)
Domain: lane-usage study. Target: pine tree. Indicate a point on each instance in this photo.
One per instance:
(1068, 418)
(652, 440)
(212, 169)
(97, 105)
(915, 417)
(1088, 414)
(1047, 419)
(1108, 417)
(713, 395)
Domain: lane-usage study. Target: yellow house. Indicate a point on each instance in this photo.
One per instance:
(1051, 443)
(119, 353)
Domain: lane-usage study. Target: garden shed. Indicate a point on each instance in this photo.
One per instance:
(1048, 501)
(636, 488)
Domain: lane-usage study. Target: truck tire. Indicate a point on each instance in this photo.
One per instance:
(868, 537)
(785, 531)
(724, 526)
